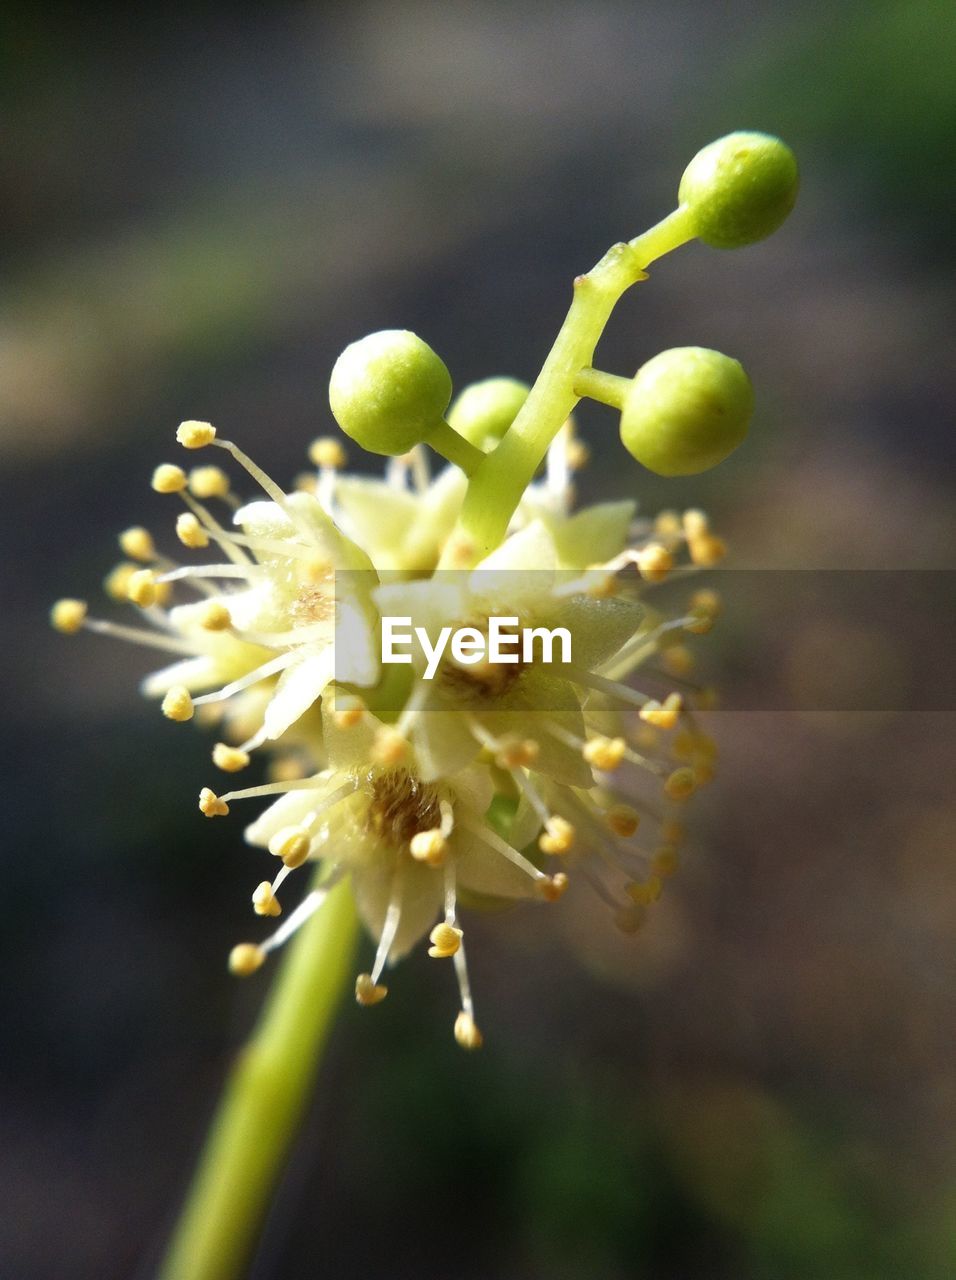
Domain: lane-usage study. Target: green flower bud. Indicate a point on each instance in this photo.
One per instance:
(739, 189)
(483, 412)
(389, 391)
(686, 410)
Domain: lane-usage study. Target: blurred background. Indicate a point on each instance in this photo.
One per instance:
(200, 209)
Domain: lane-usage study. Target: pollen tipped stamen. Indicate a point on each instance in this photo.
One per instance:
(393, 917)
(303, 912)
(277, 494)
(271, 668)
(137, 635)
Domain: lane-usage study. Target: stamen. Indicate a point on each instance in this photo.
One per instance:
(214, 616)
(195, 435)
(270, 668)
(393, 918)
(278, 495)
(136, 635)
(68, 616)
(143, 588)
(190, 532)
(429, 847)
(558, 836)
(303, 912)
(177, 704)
(445, 940)
(137, 543)
(168, 479)
(246, 958)
(211, 805)
(681, 784)
(368, 992)
(209, 482)
(494, 841)
(292, 845)
(229, 759)
(264, 901)
(466, 1033)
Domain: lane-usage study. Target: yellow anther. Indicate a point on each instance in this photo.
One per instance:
(211, 805)
(286, 769)
(672, 831)
(516, 753)
(577, 454)
(704, 772)
(292, 845)
(707, 601)
(264, 901)
(327, 452)
(677, 660)
(666, 861)
(177, 704)
(305, 482)
(644, 894)
(654, 562)
(389, 747)
(602, 586)
(557, 837)
(466, 1033)
(707, 550)
(623, 820)
(680, 784)
(605, 754)
(705, 746)
(142, 588)
(445, 940)
(116, 582)
(195, 435)
(229, 759)
(429, 847)
(667, 524)
(68, 616)
(190, 532)
(214, 616)
(695, 524)
(368, 992)
(551, 888)
(630, 919)
(662, 715)
(348, 712)
(168, 478)
(208, 482)
(246, 958)
(137, 543)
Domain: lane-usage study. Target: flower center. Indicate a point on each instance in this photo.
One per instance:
(401, 806)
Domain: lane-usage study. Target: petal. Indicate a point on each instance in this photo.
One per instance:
(297, 689)
(422, 898)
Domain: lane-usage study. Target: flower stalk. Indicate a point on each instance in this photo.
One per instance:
(264, 1100)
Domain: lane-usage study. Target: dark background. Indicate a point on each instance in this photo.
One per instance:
(200, 210)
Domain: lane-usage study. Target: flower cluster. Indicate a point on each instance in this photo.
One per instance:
(492, 782)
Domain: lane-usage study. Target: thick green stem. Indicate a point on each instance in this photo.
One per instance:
(496, 487)
(264, 1100)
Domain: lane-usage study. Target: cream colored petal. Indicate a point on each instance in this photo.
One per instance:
(297, 689)
(422, 890)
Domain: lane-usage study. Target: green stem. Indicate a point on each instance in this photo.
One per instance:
(446, 441)
(608, 388)
(264, 1100)
(497, 485)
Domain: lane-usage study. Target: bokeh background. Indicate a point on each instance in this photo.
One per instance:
(200, 209)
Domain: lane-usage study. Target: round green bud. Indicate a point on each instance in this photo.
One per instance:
(389, 391)
(686, 410)
(484, 411)
(739, 189)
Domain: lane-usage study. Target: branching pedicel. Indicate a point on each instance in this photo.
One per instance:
(488, 783)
